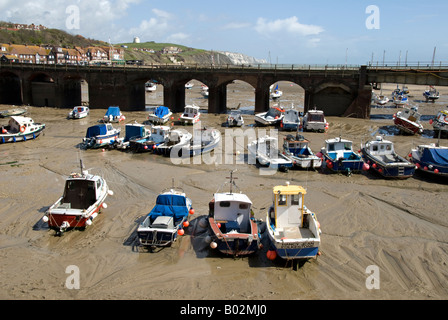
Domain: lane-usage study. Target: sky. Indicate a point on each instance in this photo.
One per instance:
(280, 32)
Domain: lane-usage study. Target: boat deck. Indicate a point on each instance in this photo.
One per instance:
(294, 233)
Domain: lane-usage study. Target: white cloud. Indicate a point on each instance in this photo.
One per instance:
(162, 14)
(236, 25)
(290, 25)
(179, 37)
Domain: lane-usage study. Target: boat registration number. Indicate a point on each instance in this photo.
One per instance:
(297, 245)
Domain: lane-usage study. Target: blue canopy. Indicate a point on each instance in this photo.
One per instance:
(161, 111)
(435, 156)
(97, 130)
(133, 131)
(170, 205)
(113, 111)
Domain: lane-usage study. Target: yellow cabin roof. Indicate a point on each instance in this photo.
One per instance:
(289, 189)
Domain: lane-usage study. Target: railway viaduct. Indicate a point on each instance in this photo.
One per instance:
(338, 90)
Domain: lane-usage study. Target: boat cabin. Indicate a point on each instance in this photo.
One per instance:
(288, 209)
(191, 111)
(442, 116)
(411, 114)
(380, 147)
(297, 146)
(99, 130)
(339, 148)
(232, 210)
(20, 124)
(81, 191)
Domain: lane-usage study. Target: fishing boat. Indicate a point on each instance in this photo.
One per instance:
(271, 117)
(150, 86)
(20, 128)
(13, 112)
(291, 120)
(292, 228)
(166, 220)
(191, 114)
(314, 120)
(83, 198)
(235, 119)
(338, 156)
(431, 158)
(408, 120)
(276, 93)
(380, 156)
(160, 115)
(203, 141)
(381, 99)
(177, 140)
(113, 114)
(100, 135)
(231, 222)
(400, 100)
(297, 149)
(132, 131)
(431, 94)
(189, 85)
(440, 122)
(148, 142)
(78, 112)
(265, 151)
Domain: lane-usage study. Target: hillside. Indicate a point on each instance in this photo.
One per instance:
(133, 51)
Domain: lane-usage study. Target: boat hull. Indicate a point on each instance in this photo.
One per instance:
(17, 137)
(345, 166)
(189, 120)
(388, 170)
(407, 126)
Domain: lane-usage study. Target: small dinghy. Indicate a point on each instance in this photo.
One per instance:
(271, 117)
(13, 112)
(78, 112)
(83, 198)
(160, 115)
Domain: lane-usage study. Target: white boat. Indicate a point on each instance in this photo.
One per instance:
(276, 93)
(338, 156)
(190, 115)
(314, 120)
(231, 223)
(381, 99)
(293, 229)
(83, 198)
(79, 112)
(271, 117)
(408, 120)
(101, 135)
(204, 91)
(150, 86)
(177, 140)
(431, 158)
(297, 149)
(265, 151)
(431, 94)
(20, 128)
(17, 111)
(291, 120)
(235, 119)
(166, 220)
(440, 122)
(160, 115)
(189, 85)
(203, 141)
(400, 100)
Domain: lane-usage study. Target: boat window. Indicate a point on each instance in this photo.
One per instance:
(224, 204)
(91, 185)
(331, 147)
(389, 147)
(98, 184)
(382, 147)
(282, 199)
(295, 199)
(375, 148)
(347, 146)
(109, 127)
(243, 206)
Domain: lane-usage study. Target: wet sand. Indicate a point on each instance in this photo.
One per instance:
(400, 226)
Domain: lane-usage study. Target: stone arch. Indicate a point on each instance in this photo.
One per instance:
(293, 93)
(43, 90)
(75, 90)
(10, 88)
(333, 98)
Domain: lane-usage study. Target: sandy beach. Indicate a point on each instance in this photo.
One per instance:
(399, 226)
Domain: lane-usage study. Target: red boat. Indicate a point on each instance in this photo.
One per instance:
(408, 120)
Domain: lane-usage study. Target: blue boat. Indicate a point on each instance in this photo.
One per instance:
(297, 149)
(160, 115)
(101, 135)
(431, 158)
(166, 220)
(132, 131)
(293, 229)
(379, 156)
(338, 156)
(148, 142)
(113, 114)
